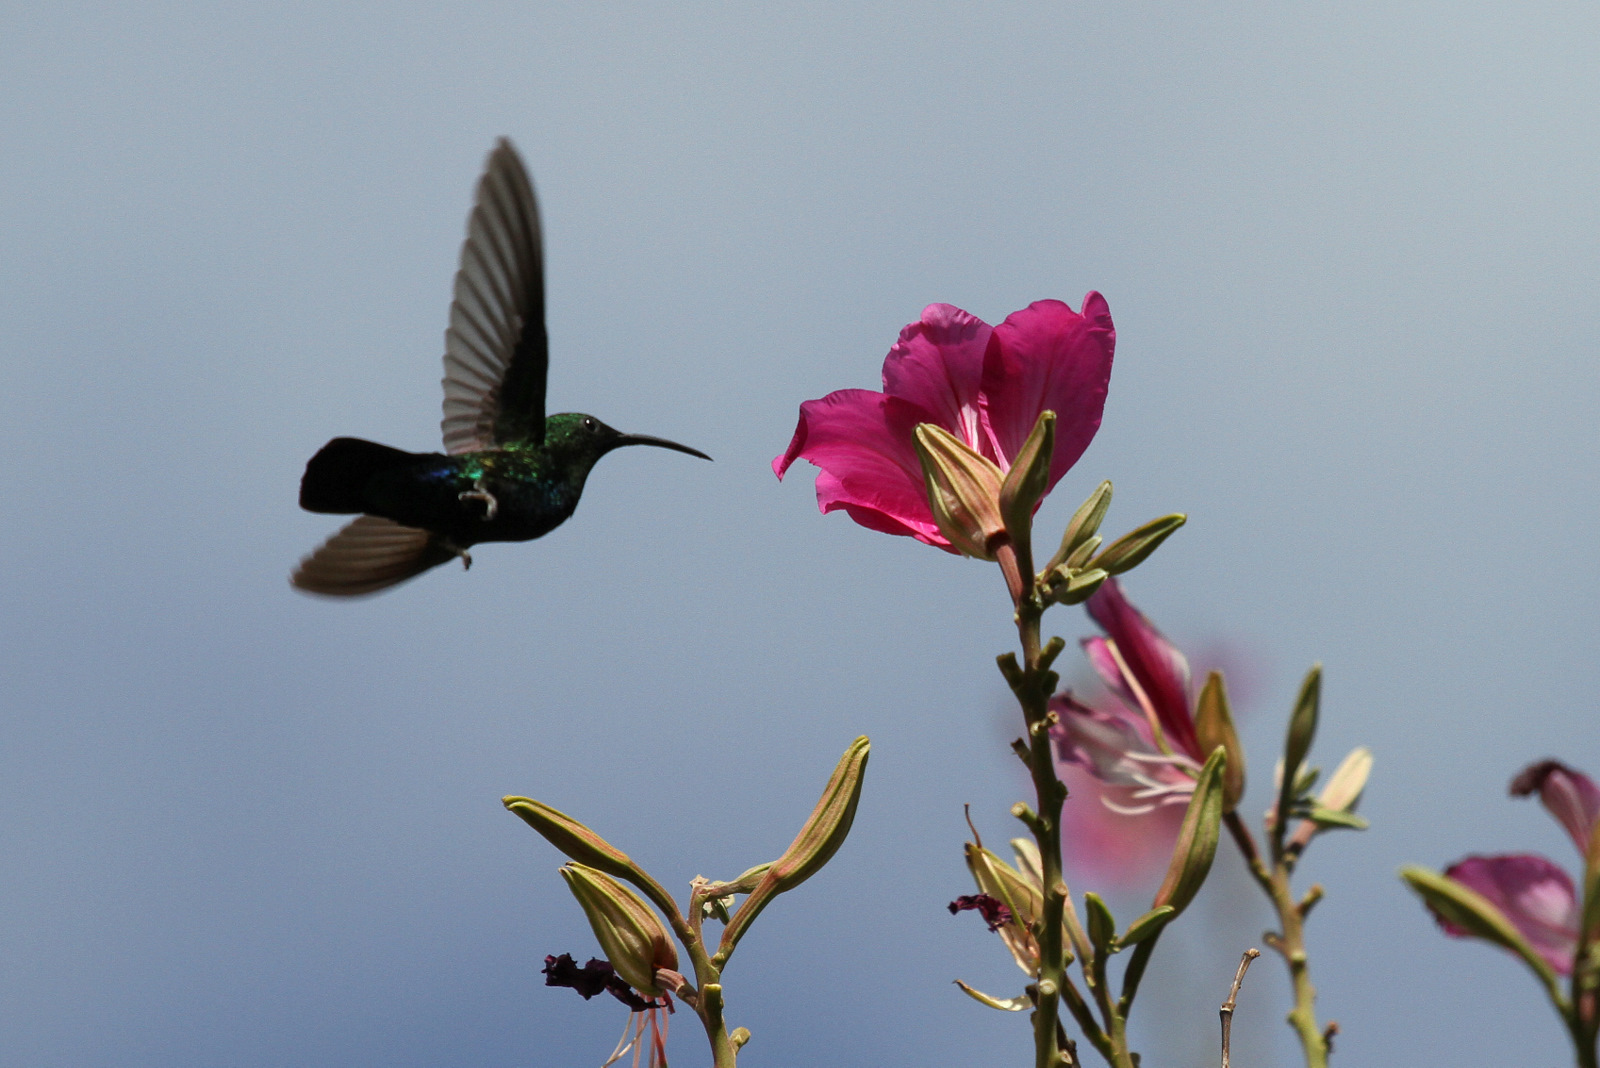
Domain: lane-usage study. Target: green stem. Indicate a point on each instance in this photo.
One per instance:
(1581, 1016)
(1033, 687)
(1290, 942)
(707, 1003)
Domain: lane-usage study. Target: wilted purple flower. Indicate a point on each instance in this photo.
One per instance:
(986, 385)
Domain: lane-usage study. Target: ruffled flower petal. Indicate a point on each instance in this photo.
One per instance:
(1048, 356)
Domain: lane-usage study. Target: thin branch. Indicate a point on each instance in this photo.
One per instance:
(1233, 996)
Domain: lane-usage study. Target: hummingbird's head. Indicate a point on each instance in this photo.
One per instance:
(582, 439)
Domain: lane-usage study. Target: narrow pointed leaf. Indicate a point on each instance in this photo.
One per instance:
(1332, 818)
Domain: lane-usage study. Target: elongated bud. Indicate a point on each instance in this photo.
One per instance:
(1464, 908)
(1147, 925)
(571, 837)
(1213, 726)
(963, 491)
(1102, 925)
(632, 936)
(1297, 744)
(1134, 547)
(1083, 526)
(1028, 479)
(1197, 838)
(1347, 782)
(824, 832)
(1021, 896)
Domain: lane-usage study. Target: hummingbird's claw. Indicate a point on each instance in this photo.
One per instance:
(451, 547)
(478, 493)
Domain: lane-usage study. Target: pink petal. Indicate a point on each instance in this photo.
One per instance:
(1108, 849)
(862, 441)
(938, 365)
(1568, 794)
(1098, 652)
(1049, 356)
(1156, 664)
(1098, 740)
(1535, 895)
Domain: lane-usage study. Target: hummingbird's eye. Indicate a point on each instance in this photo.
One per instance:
(589, 423)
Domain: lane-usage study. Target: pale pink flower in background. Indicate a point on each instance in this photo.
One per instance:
(986, 385)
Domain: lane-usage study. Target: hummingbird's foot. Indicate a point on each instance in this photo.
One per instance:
(466, 557)
(478, 493)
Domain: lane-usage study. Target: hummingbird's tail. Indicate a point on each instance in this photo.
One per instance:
(336, 477)
(368, 555)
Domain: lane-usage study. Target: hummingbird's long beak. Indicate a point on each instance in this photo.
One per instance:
(661, 443)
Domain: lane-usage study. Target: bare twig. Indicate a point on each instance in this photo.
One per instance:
(1233, 996)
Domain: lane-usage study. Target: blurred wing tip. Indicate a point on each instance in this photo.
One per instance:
(368, 555)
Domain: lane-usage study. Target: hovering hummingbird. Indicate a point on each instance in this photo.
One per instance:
(509, 472)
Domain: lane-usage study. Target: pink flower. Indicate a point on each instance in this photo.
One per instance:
(1533, 894)
(986, 385)
(1110, 749)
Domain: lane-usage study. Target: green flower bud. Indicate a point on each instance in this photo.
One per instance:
(571, 837)
(1134, 547)
(1213, 726)
(824, 832)
(1028, 479)
(963, 491)
(1197, 837)
(630, 934)
(1083, 527)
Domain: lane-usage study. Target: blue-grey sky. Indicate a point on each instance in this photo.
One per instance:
(1351, 251)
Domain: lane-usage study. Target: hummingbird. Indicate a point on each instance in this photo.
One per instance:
(509, 472)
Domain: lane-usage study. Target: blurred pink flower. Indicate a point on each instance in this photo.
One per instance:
(986, 385)
(1533, 894)
(1109, 750)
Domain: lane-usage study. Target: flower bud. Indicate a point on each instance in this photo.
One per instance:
(819, 839)
(1197, 837)
(1029, 479)
(1344, 786)
(1213, 726)
(963, 491)
(632, 936)
(571, 837)
(1134, 547)
(1084, 526)
(1302, 730)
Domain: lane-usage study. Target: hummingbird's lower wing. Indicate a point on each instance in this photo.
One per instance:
(369, 555)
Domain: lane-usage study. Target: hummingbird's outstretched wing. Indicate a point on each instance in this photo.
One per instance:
(369, 555)
(496, 352)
